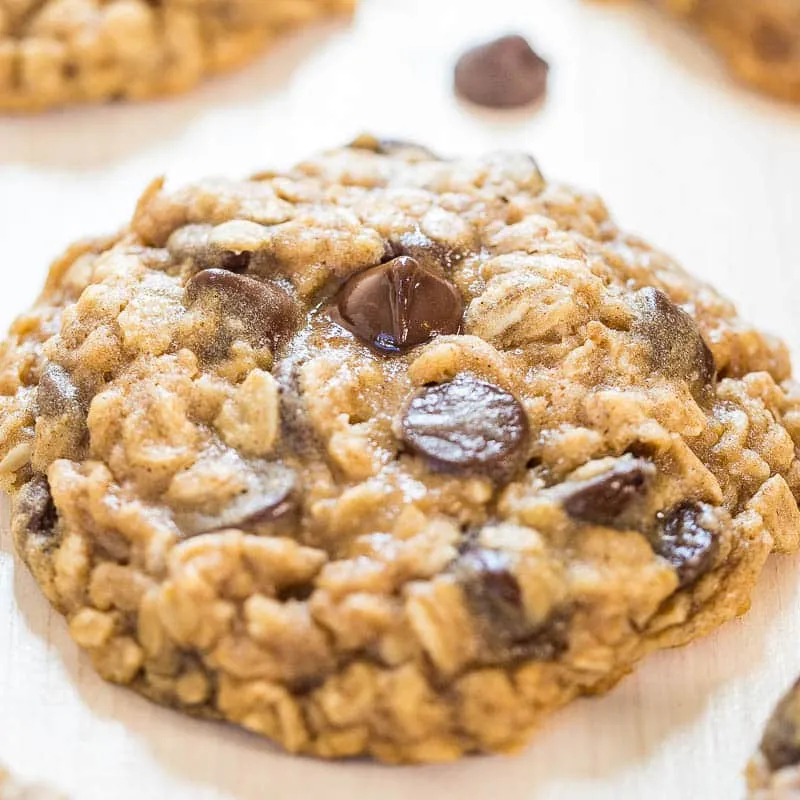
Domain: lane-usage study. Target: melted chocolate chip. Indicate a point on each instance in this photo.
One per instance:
(494, 596)
(467, 425)
(678, 348)
(684, 540)
(602, 500)
(271, 496)
(781, 741)
(192, 242)
(259, 312)
(398, 305)
(57, 394)
(423, 249)
(504, 73)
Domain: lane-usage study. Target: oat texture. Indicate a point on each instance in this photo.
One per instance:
(269, 479)
(759, 39)
(11, 789)
(62, 52)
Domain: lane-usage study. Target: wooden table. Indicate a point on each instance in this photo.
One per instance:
(637, 110)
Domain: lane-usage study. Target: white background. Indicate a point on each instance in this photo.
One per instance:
(637, 110)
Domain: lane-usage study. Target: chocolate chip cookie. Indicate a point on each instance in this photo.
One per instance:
(774, 772)
(62, 52)
(389, 454)
(760, 39)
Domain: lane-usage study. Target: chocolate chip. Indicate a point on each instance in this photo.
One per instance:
(678, 349)
(504, 73)
(467, 425)
(684, 539)
(259, 312)
(398, 305)
(602, 500)
(57, 394)
(270, 496)
(494, 596)
(493, 591)
(423, 249)
(34, 510)
(388, 147)
(192, 243)
(781, 741)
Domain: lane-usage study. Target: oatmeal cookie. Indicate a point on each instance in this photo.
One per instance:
(11, 789)
(774, 771)
(62, 52)
(760, 39)
(389, 454)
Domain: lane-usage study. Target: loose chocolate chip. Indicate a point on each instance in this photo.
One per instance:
(504, 73)
(57, 394)
(495, 598)
(602, 500)
(271, 496)
(34, 510)
(684, 540)
(678, 349)
(781, 741)
(192, 242)
(398, 305)
(467, 425)
(259, 312)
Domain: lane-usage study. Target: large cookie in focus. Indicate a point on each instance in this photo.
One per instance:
(389, 454)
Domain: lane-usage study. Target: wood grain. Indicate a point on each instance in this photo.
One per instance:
(637, 110)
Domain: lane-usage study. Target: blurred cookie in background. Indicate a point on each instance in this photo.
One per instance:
(63, 52)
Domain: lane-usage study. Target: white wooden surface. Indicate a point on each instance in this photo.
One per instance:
(637, 110)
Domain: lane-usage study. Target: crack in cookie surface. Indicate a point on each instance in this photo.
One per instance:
(249, 511)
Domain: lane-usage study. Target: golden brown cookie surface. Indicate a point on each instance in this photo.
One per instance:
(389, 454)
(63, 52)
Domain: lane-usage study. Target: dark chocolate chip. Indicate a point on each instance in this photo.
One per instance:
(602, 500)
(192, 242)
(271, 496)
(678, 349)
(493, 591)
(388, 147)
(423, 249)
(684, 540)
(57, 394)
(467, 425)
(494, 596)
(504, 73)
(34, 510)
(257, 311)
(781, 741)
(398, 305)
